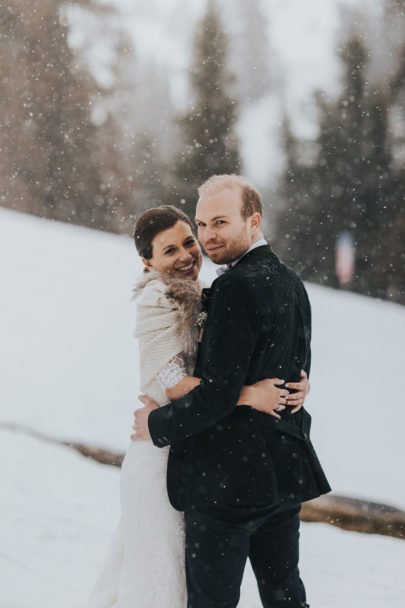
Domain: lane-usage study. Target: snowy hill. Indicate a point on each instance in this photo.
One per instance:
(69, 368)
(69, 361)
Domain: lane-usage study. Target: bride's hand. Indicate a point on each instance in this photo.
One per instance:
(265, 396)
(303, 387)
(141, 419)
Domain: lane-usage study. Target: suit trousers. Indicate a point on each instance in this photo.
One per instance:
(218, 543)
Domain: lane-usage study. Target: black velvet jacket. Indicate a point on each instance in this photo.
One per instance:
(258, 326)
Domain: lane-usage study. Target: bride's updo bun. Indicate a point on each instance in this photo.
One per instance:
(153, 221)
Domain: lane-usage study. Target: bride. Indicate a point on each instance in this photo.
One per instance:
(144, 566)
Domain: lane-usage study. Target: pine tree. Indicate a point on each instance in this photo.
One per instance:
(393, 264)
(211, 146)
(155, 136)
(54, 161)
(249, 50)
(349, 185)
(294, 220)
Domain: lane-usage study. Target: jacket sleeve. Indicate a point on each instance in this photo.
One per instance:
(231, 337)
(307, 323)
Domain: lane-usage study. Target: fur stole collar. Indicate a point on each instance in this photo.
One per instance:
(186, 294)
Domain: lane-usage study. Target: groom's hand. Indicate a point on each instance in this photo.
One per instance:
(141, 419)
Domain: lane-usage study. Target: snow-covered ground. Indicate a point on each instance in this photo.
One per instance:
(69, 368)
(58, 511)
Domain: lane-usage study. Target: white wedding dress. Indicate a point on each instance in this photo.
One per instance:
(144, 567)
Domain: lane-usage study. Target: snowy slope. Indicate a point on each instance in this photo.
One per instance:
(69, 362)
(61, 509)
(69, 368)
(357, 399)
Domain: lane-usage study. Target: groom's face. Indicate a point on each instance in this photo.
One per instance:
(222, 231)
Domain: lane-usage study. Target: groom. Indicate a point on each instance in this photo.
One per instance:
(239, 474)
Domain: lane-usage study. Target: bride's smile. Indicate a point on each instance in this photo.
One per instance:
(176, 251)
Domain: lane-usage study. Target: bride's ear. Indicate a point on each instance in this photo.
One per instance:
(147, 264)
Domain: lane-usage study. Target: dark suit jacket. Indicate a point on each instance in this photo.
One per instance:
(258, 326)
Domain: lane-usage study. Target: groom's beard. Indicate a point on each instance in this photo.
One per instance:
(230, 250)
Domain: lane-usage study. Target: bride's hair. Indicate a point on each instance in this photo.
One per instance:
(153, 221)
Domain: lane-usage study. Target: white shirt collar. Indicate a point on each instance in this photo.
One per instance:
(222, 269)
(259, 243)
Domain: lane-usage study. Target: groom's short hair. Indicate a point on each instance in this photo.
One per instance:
(251, 200)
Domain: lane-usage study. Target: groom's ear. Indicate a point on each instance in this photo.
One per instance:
(256, 221)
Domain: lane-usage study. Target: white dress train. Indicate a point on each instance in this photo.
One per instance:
(145, 561)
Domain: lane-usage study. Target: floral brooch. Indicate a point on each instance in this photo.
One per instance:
(200, 323)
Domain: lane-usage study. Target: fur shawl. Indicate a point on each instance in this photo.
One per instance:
(167, 309)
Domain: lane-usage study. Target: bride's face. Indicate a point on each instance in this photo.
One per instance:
(176, 251)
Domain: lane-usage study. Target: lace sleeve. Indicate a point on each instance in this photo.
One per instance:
(172, 372)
